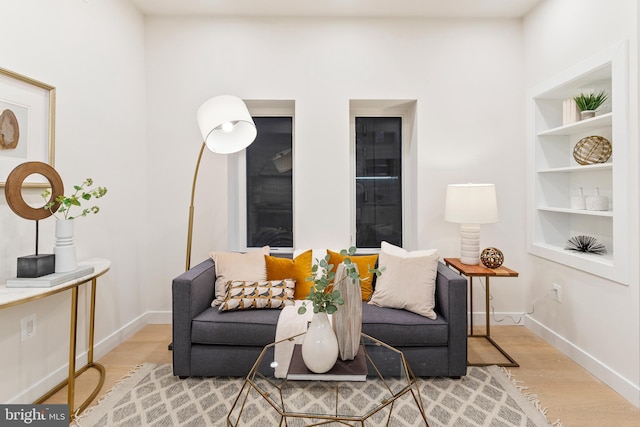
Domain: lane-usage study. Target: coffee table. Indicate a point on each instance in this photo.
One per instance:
(319, 402)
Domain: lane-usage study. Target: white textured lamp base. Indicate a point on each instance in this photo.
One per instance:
(470, 244)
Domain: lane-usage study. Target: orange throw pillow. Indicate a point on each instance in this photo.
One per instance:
(364, 263)
(298, 269)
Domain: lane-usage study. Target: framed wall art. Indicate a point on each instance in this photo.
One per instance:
(27, 125)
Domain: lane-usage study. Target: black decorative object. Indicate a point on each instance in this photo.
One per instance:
(37, 265)
(586, 244)
(492, 257)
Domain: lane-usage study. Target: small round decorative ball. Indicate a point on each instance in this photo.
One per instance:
(492, 257)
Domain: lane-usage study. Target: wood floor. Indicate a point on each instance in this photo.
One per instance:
(570, 394)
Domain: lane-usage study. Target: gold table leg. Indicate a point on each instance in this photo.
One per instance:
(73, 374)
(512, 363)
(471, 305)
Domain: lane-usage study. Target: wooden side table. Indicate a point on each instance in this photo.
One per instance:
(480, 270)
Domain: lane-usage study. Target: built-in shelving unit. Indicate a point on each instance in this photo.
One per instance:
(555, 176)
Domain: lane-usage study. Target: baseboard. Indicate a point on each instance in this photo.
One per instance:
(101, 348)
(617, 382)
(104, 346)
(158, 317)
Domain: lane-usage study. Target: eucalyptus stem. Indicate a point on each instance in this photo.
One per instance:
(323, 295)
(80, 194)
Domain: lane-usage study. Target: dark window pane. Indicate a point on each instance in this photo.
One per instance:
(378, 181)
(269, 184)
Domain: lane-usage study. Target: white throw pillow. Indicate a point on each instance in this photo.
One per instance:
(403, 253)
(408, 281)
(248, 267)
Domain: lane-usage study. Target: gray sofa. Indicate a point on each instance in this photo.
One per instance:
(207, 342)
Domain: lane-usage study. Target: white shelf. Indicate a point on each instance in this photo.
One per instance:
(577, 211)
(604, 261)
(554, 175)
(597, 122)
(579, 168)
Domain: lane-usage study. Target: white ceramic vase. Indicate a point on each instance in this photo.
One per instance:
(597, 202)
(320, 346)
(64, 249)
(347, 321)
(578, 202)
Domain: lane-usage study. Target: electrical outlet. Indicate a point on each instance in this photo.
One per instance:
(28, 327)
(557, 292)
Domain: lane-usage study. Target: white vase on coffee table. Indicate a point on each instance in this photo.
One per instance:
(347, 321)
(320, 345)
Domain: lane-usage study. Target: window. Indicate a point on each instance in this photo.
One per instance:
(378, 178)
(269, 184)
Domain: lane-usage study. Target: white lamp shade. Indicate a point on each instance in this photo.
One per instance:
(471, 204)
(226, 125)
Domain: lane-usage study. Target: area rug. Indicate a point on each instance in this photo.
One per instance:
(152, 396)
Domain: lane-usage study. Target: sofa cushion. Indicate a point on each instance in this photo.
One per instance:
(394, 250)
(401, 328)
(364, 263)
(254, 295)
(298, 269)
(244, 327)
(248, 266)
(408, 281)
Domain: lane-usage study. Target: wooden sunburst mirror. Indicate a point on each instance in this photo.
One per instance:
(13, 190)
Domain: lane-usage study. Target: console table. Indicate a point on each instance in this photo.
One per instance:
(10, 297)
(480, 270)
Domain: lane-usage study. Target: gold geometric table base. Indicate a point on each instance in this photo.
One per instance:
(270, 389)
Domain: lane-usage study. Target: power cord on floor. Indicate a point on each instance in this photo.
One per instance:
(517, 322)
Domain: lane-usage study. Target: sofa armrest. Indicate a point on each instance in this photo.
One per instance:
(451, 303)
(192, 293)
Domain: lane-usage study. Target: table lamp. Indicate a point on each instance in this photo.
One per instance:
(470, 205)
(226, 127)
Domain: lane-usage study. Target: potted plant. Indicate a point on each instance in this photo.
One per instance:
(320, 348)
(588, 103)
(64, 249)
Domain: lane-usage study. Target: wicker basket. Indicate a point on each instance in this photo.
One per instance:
(592, 150)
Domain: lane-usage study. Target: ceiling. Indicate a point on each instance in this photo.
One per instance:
(335, 8)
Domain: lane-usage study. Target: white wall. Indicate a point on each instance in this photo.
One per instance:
(93, 53)
(466, 76)
(598, 321)
(128, 91)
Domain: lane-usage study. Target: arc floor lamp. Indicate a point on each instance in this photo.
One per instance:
(226, 127)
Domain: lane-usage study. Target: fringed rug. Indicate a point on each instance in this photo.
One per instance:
(152, 396)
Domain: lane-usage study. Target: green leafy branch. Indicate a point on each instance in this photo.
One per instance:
(82, 193)
(323, 295)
